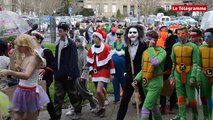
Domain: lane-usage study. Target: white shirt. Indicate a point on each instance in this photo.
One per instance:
(60, 47)
(32, 81)
(133, 49)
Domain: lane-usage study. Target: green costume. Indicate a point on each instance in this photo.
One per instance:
(205, 78)
(152, 68)
(184, 69)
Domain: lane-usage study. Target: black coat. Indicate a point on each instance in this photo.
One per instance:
(170, 41)
(137, 60)
(68, 62)
(51, 65)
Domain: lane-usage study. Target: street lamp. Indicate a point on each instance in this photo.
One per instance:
(139, 10)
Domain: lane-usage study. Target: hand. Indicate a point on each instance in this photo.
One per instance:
(134, 83)
(172, 82)
(119, 53)
(4, 73)
(114, 51)
(151, 43)
(81, 80)
(42, 72)
(111, 77)
(191, 82)
(90, 77)
(11, 53)
(69, 78)
(199, 84)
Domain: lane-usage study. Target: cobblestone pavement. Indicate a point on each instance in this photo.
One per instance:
(111, 112)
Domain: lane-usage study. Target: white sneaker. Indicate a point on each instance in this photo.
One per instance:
(70, 112)
(106, 102)
(94, 110)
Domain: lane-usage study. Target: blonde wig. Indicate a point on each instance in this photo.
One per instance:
(26, 41)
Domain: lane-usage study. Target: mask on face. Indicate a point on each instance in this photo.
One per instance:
(182, 36)
(133, 34)
(149, 39)
(163, 35)
(209, 39)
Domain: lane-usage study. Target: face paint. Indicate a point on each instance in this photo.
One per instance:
(181, 34)
(194, 37)
(133, 34)
(149, 40)
(208, 36)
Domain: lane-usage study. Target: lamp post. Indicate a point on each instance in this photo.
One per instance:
(139, 9)
(53, 28)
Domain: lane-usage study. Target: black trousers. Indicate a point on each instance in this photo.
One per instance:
(61, 88)
(127, 94)
(50, 106)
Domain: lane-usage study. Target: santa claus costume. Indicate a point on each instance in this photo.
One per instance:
(101, 68)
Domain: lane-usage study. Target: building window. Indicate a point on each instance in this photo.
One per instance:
(89, 6)
(105, 8)
(114, 8)
(132, 8)
(167, 7)
(125, 10)
(6, 2)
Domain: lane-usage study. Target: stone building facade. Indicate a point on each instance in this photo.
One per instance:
(109, 7)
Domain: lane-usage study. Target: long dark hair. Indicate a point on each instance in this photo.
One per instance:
(140, 33)
(3, 48)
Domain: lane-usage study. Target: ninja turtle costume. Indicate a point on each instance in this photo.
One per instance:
(205, 77)
(184, 57)
(152, 79)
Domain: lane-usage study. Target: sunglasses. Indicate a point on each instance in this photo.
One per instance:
(208, 36)
(181, 34)
(147, 39)
(133, 32)
(118, 34)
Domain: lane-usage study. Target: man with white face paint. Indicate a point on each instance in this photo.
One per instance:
(135, 46)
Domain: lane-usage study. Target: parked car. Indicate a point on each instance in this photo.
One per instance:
(99, 19)
(189, 20)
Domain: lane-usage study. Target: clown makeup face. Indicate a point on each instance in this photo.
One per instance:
(209, 39)
(133, 34)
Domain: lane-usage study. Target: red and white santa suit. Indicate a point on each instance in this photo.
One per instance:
(101, 64)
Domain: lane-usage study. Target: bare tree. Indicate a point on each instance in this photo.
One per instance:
(40, 7)
(149, 6)
(48, 6)
(24, 6)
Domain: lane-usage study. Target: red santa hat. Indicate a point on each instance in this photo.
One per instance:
(103, 33)
(98, 34)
